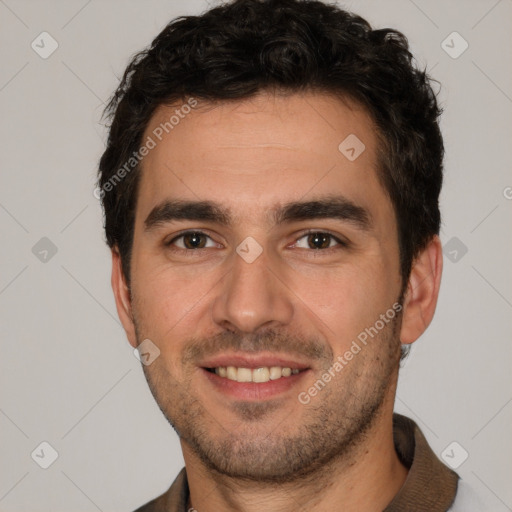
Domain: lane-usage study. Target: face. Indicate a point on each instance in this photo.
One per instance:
(262, 253)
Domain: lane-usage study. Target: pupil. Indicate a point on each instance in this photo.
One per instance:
(319, 241)
(194, 241)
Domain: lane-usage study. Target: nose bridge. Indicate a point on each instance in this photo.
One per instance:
(250, 296)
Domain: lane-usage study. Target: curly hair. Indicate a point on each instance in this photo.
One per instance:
(238, 49)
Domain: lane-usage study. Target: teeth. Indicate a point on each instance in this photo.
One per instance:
(276, 372)
(231, 373)
(263, 374)
(259, 374)
(244, 375)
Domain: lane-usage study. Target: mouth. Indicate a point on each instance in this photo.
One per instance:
(253, 378)
(258, 375)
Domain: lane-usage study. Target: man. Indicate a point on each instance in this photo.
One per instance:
(270, 187)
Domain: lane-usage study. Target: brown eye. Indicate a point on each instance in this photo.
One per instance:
(191, 240)
(194, 240)
(319, 240)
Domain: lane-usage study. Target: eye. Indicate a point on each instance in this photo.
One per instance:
(192, 240)
(318, 240)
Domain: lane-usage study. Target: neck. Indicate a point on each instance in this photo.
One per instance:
(366, 479)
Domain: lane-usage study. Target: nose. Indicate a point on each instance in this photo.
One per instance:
(252, 297)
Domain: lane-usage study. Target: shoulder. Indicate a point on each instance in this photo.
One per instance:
(155, 505)
(173, 500)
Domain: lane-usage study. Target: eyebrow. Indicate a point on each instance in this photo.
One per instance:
(333, 207)
(169, 211)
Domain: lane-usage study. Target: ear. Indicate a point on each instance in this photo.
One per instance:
(122, 297)
(422, 291)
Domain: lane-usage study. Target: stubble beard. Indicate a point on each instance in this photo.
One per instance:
(334, 426)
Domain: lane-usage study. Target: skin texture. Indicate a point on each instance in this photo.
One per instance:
(251, 157)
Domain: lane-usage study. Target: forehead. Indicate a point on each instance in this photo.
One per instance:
(255, 154)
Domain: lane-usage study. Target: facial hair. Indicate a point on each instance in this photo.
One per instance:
(331, 427)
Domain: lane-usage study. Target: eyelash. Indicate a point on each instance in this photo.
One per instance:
(341, 244)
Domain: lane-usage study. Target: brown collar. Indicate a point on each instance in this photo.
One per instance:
(430, 485)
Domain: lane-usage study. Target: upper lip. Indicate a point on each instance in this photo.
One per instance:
(246, 360)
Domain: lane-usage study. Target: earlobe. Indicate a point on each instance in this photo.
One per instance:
(422, 291)
(122, 297)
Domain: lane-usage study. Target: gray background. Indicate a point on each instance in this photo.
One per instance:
(68, 375)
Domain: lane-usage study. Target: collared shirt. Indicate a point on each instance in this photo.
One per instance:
(430, 486)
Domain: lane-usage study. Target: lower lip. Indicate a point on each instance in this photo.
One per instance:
(254, 391)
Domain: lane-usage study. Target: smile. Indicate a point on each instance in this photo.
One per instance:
(258, 375)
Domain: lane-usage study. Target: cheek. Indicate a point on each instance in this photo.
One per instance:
(170, 306)
(341, 302)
